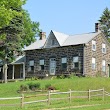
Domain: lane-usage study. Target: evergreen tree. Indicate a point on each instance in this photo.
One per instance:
(105, 23)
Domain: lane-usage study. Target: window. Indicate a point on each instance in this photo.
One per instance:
(53, 42)
(31, 65)
(103, 48)
(93, 45)
(103, 65)
(41, 63)
(93, 63)
(75, 62)
(64, 63)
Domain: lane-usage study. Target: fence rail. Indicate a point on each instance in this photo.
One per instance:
(49, 98)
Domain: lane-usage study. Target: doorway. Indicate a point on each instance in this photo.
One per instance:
(52, 66)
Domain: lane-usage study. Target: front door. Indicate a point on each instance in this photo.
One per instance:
(52, 66)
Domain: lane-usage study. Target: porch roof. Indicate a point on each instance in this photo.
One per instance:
(19, 60)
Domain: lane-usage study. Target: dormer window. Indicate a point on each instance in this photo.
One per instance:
(93, 45)
(103, 48)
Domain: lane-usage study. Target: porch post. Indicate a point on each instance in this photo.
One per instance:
(23, 70)
(13, 71)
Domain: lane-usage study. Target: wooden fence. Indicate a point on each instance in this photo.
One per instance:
(50, 98)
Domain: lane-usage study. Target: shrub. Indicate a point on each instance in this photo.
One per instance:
(34, 86)
(61, 77)
(23, 88)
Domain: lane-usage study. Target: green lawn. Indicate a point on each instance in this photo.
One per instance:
(10, 90)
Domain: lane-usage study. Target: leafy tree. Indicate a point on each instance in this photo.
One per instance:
(17, 32)
(105, 23)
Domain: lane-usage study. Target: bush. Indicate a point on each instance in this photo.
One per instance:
(34, 86)
(23, 88)
(61, 76)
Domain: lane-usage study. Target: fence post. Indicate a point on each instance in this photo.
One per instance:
(103, 94)
(48, 97)
(22, 100)
(70, 95)
(89, 95)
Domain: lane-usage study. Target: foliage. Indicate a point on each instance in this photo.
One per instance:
(23, 87)
(9, 10)
(105, 22)
(47, 86)
(16, 30)
(9, 90)
(34, 86)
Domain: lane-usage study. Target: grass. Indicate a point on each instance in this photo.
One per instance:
(10, 90)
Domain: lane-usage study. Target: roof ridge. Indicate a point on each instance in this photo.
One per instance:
(84, 33)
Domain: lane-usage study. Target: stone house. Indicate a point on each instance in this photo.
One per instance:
(83, 54)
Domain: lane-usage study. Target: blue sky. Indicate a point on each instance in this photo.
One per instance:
(66, 16)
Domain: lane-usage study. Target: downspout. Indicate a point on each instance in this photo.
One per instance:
(83, 59)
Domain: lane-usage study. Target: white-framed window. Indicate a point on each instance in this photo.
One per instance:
(103, 65)
(64, 63)
(75, 62)
(41, 63)
(31, 66)
(93, 45)
(103, 48)
(93, 63)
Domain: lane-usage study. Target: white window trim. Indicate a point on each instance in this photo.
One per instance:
(75, 60)
(103, 46)
(93, 63)
(93, 43)
(103, 65)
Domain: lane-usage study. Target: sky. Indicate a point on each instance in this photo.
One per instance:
(66, 16)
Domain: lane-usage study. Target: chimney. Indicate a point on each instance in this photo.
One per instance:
(42, 35)
(97, 27)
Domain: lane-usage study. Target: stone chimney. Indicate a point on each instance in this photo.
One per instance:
(42, 35)
(97, 27)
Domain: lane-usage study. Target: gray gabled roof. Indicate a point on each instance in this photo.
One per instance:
(79, 39)
(61, 37)
(36, 45)
(64, 40)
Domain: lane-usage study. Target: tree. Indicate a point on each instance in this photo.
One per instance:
(16, 33)
(105, 23)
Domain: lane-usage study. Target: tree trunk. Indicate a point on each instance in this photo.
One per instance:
(5, 67)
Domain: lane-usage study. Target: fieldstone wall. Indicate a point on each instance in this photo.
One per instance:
(57, 53)
(98, 55)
